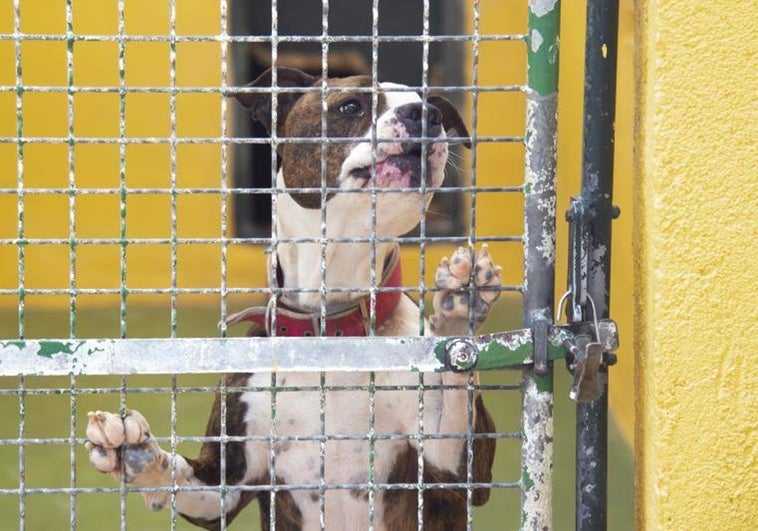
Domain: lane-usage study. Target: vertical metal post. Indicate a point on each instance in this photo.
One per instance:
(597, 192)
(539, 257)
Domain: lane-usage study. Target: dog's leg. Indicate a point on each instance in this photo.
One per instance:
(447, 458)
(115, 444)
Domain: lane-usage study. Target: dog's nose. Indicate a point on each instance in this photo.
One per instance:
(410, 116)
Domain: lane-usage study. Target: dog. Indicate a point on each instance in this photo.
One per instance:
(115, 443)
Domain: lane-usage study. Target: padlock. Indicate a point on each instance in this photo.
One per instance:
(587, 384)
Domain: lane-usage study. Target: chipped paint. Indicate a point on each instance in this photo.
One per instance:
(539, 259)
(216, 355)
(536, 40)
(516, 339)
(48, 349)
(598, 256)
(18, 344)
(537, 457)
(539, 187)
(542, 7)
(495, 351)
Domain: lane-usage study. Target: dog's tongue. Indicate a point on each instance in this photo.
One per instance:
(397, 172)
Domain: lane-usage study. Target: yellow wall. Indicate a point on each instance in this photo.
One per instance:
(696, 196)
(97, 166)
(148, 166)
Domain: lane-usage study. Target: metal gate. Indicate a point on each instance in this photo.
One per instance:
(586, 342)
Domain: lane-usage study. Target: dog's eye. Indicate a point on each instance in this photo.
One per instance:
(350, 107)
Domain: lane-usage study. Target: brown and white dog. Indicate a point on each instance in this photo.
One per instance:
(112, 439)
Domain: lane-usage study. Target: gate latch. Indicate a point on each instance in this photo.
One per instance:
(588, 359)
(587, 347)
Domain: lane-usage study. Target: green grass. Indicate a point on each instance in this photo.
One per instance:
(48, 416)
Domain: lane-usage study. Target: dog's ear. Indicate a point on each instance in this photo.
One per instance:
(451, 120)
(260, 102)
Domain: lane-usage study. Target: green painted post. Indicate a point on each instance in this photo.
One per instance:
(539, 256)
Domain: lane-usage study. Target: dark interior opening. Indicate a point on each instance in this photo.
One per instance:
(400, 62)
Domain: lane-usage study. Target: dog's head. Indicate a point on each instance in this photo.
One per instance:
(349, 163)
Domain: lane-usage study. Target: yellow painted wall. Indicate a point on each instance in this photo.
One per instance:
(148, 166)
(696, 196)
(97, 165)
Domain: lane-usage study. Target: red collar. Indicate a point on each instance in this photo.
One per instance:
(353, 321)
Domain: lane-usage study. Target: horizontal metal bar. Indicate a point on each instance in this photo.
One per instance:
(217, 355)
(229, 91)
(84, 391)
(265, 488)
(282, 354)
(294, 438)
(230, 140)
(242, 191)
(228, 290)
(19, 36)
(262, 241)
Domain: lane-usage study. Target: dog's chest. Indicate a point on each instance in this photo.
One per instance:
(345, 415)
(345, 408)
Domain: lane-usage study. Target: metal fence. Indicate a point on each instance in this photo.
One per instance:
(531, 349)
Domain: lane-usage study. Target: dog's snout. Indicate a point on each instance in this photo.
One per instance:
(410, 111)
(411, 115)
(433, 115)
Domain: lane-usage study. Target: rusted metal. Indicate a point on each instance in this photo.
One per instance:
(539, 257)
(597, 193)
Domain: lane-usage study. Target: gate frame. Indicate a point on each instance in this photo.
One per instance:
(601, 49)
(539, 259)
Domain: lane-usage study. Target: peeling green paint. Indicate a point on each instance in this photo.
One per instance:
(48, 349)
(18, 344)
(546, 22)
(496, 355)
(92, 350)
(526, 480)
(545, 383)
(506, 350)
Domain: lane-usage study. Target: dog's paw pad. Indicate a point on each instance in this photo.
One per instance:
(454, 273)
(137, 458)
(487, 276)
(453, 300)
(102, 459)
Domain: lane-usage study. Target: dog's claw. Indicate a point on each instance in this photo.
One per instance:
(453, 277)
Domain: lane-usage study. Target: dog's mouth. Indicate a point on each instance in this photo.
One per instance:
(395, 171)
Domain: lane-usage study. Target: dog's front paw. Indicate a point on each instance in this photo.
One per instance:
(113, 441)
(453, 278)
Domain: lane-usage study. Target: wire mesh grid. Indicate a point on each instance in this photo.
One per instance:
(79, 360)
